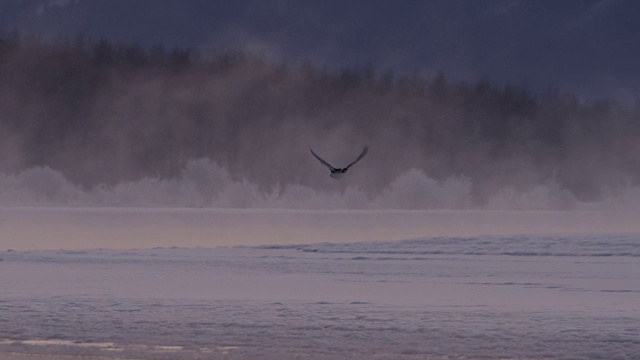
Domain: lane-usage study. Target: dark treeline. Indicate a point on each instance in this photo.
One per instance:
(103, 113)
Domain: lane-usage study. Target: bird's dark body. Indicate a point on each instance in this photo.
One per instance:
(338, 173)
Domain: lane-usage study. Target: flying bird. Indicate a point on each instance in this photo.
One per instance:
(337, 173)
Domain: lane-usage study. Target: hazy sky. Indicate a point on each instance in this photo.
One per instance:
(586, 46)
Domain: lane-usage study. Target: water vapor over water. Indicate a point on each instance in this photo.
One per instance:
(205, 184)
(97, 123)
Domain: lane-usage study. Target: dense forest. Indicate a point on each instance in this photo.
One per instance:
(103, 113)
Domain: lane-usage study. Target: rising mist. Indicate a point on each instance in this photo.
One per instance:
(99, 123)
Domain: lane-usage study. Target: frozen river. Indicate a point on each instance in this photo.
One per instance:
(542, 296)
(46, 228)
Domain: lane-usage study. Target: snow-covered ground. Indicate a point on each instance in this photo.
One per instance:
(501, 296)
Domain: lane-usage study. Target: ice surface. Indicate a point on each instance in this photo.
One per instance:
(478, 297)
(124, 228)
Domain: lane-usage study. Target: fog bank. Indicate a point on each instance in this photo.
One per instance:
(205, 184)
(136, 119)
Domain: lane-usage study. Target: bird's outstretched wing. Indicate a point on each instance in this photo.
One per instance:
(322, 161)
(362, 154)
